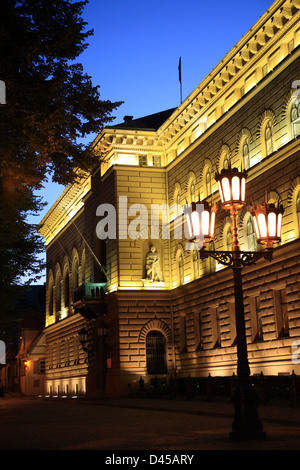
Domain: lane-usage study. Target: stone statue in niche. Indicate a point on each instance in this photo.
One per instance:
(153, 272)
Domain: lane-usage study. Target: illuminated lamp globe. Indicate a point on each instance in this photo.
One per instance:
(232, 187)
(268, 222)
(200, 219)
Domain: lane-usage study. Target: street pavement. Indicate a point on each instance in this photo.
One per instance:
(133, 425)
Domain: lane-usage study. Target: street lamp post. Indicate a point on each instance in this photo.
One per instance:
(267, 219)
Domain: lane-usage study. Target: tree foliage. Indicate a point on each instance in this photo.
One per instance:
(50, 104)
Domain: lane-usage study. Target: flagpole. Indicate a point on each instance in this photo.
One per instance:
(179, 71)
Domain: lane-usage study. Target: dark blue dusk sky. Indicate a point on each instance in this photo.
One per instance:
(134, 53)
(136, 46)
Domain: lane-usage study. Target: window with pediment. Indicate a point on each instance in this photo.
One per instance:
(246, 154)
(295, 118)
(269, 138)
(208, 182)
(251, 236)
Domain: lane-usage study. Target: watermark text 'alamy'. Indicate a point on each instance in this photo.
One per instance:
(134, 221)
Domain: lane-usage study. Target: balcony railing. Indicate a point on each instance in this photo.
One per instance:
(89, 291)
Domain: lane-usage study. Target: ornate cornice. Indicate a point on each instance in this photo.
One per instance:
(265, 36)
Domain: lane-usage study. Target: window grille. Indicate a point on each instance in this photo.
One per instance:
(142, 160)
(156, 353)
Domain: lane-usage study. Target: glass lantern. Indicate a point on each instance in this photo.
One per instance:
(232, 187)
(83, 336)
(200, 218)
(268, 221)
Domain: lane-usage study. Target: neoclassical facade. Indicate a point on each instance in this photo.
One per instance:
(127, 297)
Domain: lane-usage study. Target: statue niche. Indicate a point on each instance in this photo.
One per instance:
(152, 266)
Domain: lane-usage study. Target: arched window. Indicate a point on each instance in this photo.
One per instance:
(177, 201)
(156, 352)
(269, 138)
(229, 239)
(180, 270)
(226, 161)
(66, 288)
(196, 264)
(251, 236)
(295, 119)
(208, 182)
(298, 210)
(192, 191)
(50, 298)
(83, 266)
(57, 293)
(75, 274)
(246, 154)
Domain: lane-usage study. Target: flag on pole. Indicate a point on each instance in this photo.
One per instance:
(179, 71)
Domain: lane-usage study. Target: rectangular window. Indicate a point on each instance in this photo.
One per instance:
(256, 320)
(42, 366)
(143, 160)
(58, 353)
(76, 349)
(198, 328)
(232, 323)
(215, 327)
(50, 356)
(156, 160)
(281, 313)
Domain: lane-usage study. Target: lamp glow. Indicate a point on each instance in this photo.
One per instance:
(232, 187)
(268, 222)
(200, 220)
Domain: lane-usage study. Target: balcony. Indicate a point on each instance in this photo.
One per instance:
(89, 300)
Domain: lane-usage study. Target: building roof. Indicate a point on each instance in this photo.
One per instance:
(150, 122)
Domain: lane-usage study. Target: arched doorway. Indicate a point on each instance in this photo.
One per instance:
(156, 352)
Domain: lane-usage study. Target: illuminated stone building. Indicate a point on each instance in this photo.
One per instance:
(179, 318)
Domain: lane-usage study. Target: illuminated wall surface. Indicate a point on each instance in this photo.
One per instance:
(180, 316)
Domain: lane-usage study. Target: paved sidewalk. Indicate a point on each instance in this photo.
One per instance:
(141, 424)
(279, 412)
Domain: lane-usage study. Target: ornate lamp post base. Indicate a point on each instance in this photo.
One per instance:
(246, 424)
